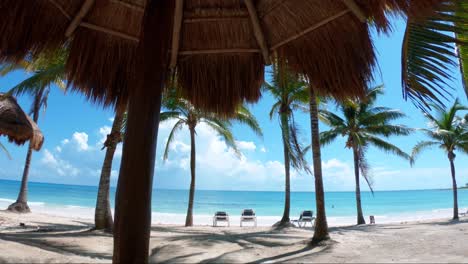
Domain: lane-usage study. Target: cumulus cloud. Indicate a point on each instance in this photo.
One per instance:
(218, 166)
(61, 167)
(246, 145)
(81, 140)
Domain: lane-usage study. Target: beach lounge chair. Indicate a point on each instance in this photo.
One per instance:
(306, 217)
(221, 217)
(248, 215)
(464, 214)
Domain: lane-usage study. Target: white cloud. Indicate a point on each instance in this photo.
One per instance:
(263, 150)
(61, 167)
(246, 145)
(81, 140)
(216, 163)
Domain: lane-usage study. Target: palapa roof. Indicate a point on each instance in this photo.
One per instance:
(219, 47)
(17, 125)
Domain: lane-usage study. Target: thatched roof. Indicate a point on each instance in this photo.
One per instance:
(219, 48)
(17, 125)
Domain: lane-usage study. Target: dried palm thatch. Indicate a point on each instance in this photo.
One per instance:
(17, 125)
(219, 48)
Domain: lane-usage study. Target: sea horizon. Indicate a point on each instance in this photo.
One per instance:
(241, 190)
(169, 206)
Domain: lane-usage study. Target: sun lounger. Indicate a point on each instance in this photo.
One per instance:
(248, 215)
(306, 217)
(464, 214)
(221, 217)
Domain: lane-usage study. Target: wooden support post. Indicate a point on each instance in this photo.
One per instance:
(258, 32)
(178, 17)
(134, 190)
(357, 11)
(87, 5)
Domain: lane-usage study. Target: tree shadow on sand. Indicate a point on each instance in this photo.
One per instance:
(41, 237)
(204, 241)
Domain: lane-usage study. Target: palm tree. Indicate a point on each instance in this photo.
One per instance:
(290, 94)
(363, 124)
(103, 214)
(186, 115)
(321, 225)
(47, 69)
(449, 132)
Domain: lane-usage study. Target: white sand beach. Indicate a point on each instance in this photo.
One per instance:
(51, 239)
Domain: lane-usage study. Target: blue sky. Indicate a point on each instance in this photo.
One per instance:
(75, 129)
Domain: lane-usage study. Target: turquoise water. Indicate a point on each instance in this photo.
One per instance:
(339, 204)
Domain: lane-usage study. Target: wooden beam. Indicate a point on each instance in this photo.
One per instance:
(138, 8)
(218, 51)
(308, 30)
(212, 19)
(110, 31)
(87, 5)
(258, 32)
(54, 3)
(357, 11)
(176, 31)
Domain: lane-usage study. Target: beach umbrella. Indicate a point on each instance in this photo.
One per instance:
(124, 50)
(17, 125)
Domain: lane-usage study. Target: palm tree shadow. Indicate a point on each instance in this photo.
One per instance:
(56, 247)
(39, 235)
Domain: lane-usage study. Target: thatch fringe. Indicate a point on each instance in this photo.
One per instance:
(339, 60)
(29, 28)
(219, 83)
(101, 67)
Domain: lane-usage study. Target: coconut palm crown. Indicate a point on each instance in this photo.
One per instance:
(364, 125)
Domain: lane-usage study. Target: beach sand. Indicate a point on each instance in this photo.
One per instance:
(53, 239)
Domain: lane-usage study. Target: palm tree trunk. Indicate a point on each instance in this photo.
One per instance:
(321, 225)
(451, 157)
(134, 189)
(287, 169)
(189, 218)
(103, 214)
(360, 217)
(21, 204)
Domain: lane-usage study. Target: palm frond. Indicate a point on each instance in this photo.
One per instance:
(429, 55)
(364, 167)
(39, 80)
(327, 137)
(244, 116)
(168, 115)
(388, 130)
(170, 138)
(2, 147)
(275, 109)
(422, 146)
(386, 146)
(222, 129)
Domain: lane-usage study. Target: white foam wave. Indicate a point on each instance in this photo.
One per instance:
(81, 212)
(6, 200)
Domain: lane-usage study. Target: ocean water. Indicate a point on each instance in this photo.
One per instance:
(169, 206)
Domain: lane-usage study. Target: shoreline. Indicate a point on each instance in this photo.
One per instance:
(87, 213)
(46, 239)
